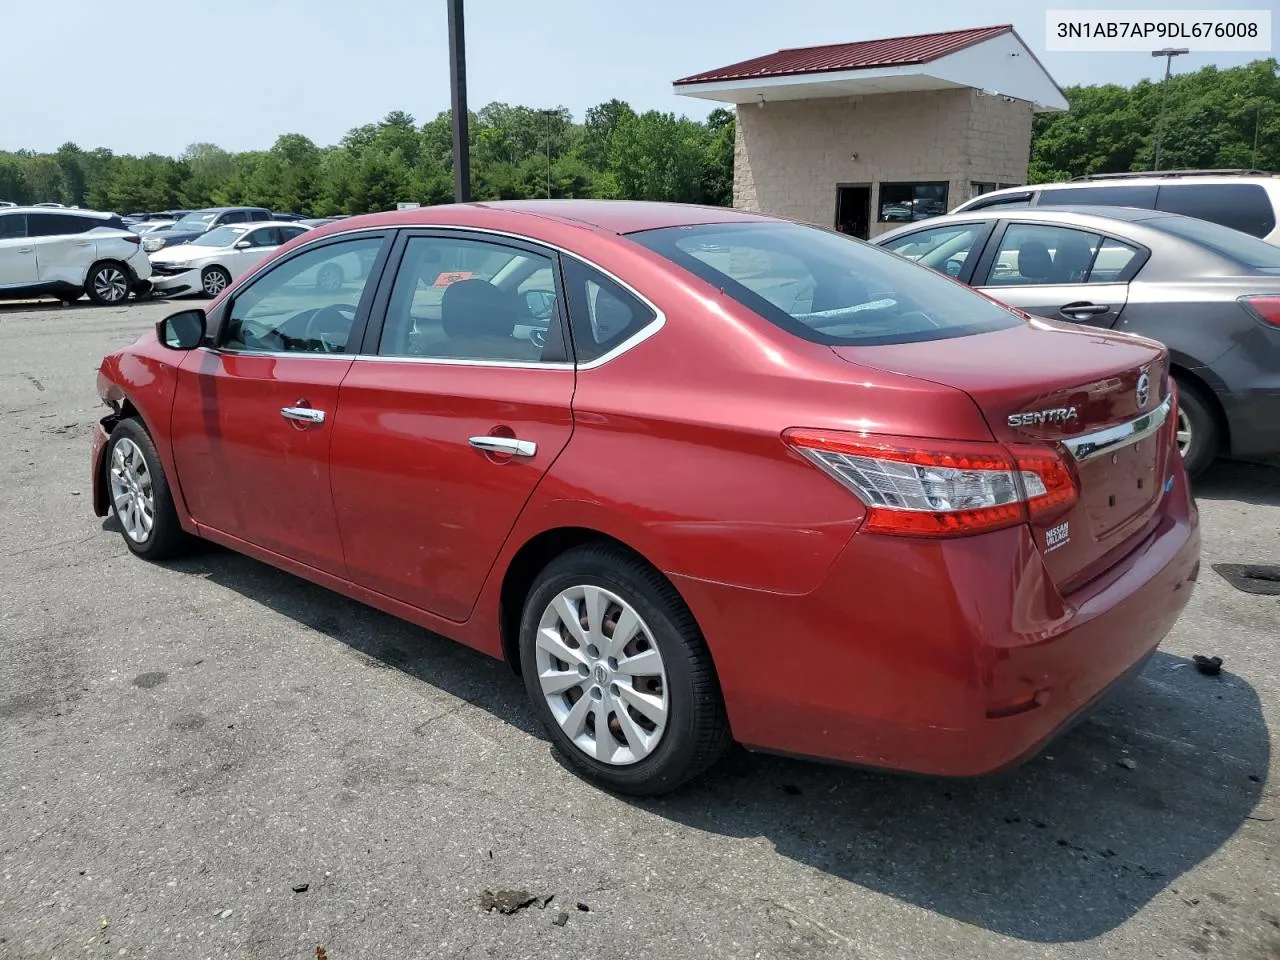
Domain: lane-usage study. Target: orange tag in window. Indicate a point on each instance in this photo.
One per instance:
(449, 277)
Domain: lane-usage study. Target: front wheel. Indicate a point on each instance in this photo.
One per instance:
(140, 494)
(213, 280)
(619, 673)
(107, 284)
(1197, 430)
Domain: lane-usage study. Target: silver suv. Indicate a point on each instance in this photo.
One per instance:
(1245, 200)
(69, 253)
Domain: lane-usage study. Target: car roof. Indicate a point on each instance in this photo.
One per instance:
(1080, 215)
(61, 211)
(612, 216)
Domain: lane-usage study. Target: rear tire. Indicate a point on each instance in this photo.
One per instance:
(1199, 436)
(628, 754)
(108, 283)
(139, 494)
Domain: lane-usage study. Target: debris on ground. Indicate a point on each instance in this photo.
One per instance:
(1259, 579)
(321, 953)
(301, 887)
(583, 907)
(223, 914)
(1128, 763)
(506, 901)
(1209, 666)
(561, 919)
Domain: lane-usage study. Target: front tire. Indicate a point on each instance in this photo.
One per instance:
(619, 673)
(140, 494)
(1199, 436)
(108, 284)
(213, 280)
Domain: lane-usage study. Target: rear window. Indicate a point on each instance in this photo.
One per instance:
(1232, 244)
(60, 224)
(1128, 195)
(1240, 206)
(826, 287)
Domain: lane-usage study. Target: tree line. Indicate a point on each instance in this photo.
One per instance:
(516, 152)
(1212, 118)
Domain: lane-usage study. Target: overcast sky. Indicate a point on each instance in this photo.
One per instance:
(156, 75)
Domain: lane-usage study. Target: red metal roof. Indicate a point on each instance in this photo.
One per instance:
(864, 55)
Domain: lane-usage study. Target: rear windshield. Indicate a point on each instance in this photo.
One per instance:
(1232, 244)
(824, 286)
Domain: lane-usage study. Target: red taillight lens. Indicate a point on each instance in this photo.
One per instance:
(936, 489)
(1266, 309)
(134, 239)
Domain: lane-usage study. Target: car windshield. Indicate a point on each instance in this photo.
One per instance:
(1238, 247)
(222, 237)
(196, 221)
(826, 287)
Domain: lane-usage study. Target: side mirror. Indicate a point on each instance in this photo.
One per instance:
(182, 331)
(243, 244)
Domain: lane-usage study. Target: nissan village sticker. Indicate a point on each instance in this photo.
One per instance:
(1056, 536)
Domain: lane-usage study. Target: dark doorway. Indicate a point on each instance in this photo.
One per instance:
(853, 211)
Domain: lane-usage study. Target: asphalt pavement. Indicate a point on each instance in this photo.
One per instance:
(210, 758)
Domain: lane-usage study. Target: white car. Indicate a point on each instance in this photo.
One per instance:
(65, 253)
(209, 263)
(147, 226)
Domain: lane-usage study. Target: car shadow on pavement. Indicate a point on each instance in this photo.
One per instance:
(1064, 848)
(1255, 483)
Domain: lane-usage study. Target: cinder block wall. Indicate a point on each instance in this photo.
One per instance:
(791, 155)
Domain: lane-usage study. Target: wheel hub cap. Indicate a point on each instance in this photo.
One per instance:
(602, 675)
(131, 491)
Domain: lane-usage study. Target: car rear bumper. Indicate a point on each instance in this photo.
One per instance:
(944, 657)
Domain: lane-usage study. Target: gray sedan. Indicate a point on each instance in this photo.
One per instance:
(1211, 294)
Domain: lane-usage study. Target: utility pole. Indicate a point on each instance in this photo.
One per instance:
(1257, 126)
(1168, 53)
(458, 83)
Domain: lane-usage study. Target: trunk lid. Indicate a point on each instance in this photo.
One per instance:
(1046, 383)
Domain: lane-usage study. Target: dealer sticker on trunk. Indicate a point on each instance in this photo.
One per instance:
(1055, 537)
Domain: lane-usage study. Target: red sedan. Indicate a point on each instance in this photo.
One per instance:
(698, 475)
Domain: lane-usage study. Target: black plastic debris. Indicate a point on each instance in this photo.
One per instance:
(506, 901)
(1256, 578)
(1209, 666)
(561, 919)
(301, 887)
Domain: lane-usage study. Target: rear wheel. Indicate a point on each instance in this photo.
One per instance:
(140, 494)
(619, 673)
(1198, 435)
(107, 284)
(213, 280)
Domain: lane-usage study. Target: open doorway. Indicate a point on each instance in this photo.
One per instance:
(853, 210)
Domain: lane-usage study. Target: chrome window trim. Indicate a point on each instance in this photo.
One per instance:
(644, 333)
(1091, 445)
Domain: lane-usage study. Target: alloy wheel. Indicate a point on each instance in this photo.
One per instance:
(602, 675)
(215, 281)
(1184, 432)
(131, 490)
(111, 285)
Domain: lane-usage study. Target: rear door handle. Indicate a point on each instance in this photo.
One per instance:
(508, 445)
(302, 414)
(1079, 310)
(26, 249)
(84, 243)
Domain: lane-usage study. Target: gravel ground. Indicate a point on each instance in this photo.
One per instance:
(183, 747)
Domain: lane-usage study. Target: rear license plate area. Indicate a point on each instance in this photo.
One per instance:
(1120, 484)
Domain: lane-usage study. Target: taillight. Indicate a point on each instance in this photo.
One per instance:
(134, 239)
(1266, 309)
(938, 489)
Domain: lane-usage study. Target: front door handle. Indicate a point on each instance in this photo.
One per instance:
(302, 414)
(1077, 311)
(508, 445)
(26, 249)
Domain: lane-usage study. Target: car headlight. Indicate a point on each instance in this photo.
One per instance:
(152, 244)
(182, 265)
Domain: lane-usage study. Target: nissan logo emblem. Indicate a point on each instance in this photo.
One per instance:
(1144, 390)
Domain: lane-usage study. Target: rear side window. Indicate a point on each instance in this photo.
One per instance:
(604, 315)
(1127, 195)
(12, 225)
(59, 224)
(1240, 206)
(1232, 244)
(826, 287)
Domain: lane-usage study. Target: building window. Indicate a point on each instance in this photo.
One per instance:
(977, 189)
(905, 202)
